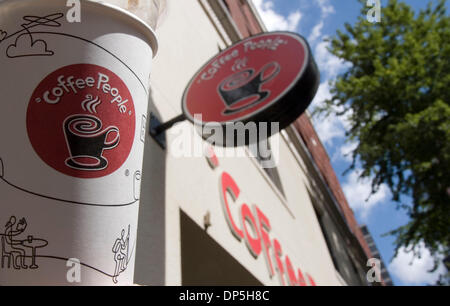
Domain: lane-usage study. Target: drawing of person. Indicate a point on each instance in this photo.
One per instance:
(17, 252)
(120, 250)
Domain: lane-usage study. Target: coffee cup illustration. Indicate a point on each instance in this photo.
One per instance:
(86, 142)
(243, 89)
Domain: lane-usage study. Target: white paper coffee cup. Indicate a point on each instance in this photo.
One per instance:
(72, 129)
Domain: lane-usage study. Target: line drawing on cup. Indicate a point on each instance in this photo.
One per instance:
(51, 21)
(3, 34)
(122, 255)
(136, 184)
(2, 169)
(13, 247)
(121, 250)
(143, 128)
(14, 255)
(25, 45)
(242, 90)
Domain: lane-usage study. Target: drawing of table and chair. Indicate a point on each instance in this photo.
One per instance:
(6, 256)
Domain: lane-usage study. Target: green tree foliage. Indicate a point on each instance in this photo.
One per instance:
(396, 97)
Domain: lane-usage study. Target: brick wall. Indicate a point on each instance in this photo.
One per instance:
(243, 17)
(320, 156)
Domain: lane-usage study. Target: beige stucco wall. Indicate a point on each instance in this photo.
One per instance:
(187, 40)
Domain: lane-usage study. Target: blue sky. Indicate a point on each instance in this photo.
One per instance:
(315, 20)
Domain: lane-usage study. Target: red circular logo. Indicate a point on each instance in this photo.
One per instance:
(81, 121)
(247, 78)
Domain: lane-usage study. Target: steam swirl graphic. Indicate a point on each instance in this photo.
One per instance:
(84, 125)
(90, 104)
(238, 79)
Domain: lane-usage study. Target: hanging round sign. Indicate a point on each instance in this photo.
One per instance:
(268, 78)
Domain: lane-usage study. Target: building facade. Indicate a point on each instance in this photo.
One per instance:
(216, 216)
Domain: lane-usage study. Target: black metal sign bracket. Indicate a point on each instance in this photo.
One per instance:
(157, 129)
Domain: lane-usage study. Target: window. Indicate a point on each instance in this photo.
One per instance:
(263, 154)
(327, 240)
(342, 261)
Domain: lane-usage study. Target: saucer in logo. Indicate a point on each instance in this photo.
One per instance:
(81, 121)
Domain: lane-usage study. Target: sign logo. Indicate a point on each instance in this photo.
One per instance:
(243, 89)
(81, 121)
(271, 77)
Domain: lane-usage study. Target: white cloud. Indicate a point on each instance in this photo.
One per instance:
(358, 190)
(323, 93)
(331, 127)
(316, 33)
(415, 271)
(329, 64)
(293, 21)
(325, 7)
(345, 152)
(275, 21)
